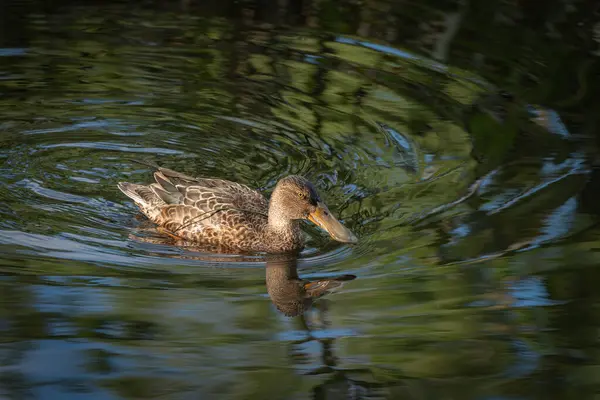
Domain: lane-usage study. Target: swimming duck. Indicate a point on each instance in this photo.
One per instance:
(224, 213)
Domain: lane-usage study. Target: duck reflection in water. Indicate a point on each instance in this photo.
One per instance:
(296, 297)
(292, 295)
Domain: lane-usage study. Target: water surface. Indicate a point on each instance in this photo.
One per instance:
(461, 153)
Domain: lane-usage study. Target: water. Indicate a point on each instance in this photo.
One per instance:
(456, 140)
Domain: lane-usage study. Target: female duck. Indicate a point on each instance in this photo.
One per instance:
(223, 213)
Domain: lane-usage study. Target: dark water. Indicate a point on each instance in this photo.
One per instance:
(456, 139)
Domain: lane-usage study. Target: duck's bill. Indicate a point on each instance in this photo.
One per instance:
(324, 219)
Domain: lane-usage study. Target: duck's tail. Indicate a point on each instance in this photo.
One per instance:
(144, 197)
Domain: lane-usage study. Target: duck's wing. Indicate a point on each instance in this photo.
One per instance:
(206, 204)
(207, 194)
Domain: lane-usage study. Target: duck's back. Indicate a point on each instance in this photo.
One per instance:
(213, 211)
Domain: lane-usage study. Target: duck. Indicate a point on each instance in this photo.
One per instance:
(218, 212)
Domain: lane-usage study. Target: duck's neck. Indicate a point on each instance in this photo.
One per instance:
(282, 232)
(278, 221)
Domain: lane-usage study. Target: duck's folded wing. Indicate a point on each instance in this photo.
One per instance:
(190, 221)
(178, 217)
(207, 194)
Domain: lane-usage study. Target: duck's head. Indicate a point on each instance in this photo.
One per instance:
(296, 198)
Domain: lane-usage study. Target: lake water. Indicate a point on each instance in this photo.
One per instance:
(456, 140)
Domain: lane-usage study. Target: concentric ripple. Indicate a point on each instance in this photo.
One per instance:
(357, 119)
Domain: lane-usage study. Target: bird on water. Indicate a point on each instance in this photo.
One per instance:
(224, 213)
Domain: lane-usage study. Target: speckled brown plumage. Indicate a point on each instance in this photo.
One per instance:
(220, 212)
